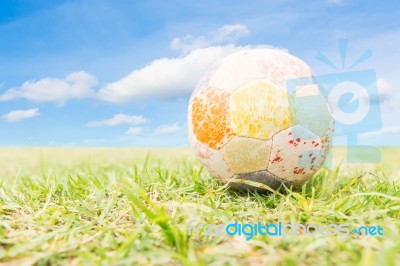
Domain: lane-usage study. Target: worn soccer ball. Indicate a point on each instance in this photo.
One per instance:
(244, 123)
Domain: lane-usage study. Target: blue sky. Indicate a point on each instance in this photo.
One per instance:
(119, 73)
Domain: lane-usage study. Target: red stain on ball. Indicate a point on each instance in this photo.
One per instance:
(298, 171)
(277, 159)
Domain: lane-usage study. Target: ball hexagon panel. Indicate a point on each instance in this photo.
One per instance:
(294, 154)
(212, 160)
(244, 155)
(307, 107)
(210, 117)
(259, 110)
(277, 66)
(234, 71)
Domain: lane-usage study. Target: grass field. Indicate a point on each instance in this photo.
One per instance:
(131, 206)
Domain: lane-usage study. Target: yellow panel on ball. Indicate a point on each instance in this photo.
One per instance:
(244, 155)
(259, 110)
(209, 114)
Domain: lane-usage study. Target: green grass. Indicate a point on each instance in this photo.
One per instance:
(121, 207)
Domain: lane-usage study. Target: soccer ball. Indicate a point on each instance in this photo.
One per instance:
(245, 124)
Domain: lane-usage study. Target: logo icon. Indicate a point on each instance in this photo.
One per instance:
(350, 94)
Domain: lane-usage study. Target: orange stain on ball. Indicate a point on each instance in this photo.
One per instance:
(210, 116)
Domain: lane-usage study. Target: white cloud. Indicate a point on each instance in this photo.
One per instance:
(385, 93)
(119, 119)
(168, 129)
(167, 78)
(76, 85)
(384, 132)
(19, 115)
(134, 131)
(225, 34)
(189, 43)
(231, 33)
(170, 78)
(385, 90)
